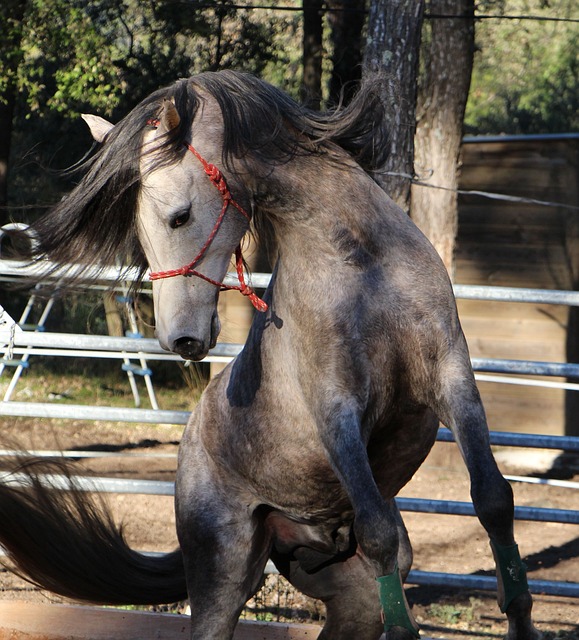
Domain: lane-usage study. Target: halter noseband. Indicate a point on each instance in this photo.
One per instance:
(218, 181)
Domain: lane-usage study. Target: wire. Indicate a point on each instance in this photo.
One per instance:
(476, 192)
(443, 16)
(427, 16)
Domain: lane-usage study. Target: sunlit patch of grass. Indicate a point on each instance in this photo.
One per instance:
(106, 387)
(453, 614)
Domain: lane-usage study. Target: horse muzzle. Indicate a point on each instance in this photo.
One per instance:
(192, 348)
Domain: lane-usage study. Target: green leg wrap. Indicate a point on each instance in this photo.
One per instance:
(393, 602)
(512, 571)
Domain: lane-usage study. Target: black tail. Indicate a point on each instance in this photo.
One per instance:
(66, 542)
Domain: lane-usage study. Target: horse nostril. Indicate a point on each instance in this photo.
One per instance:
(189, 348)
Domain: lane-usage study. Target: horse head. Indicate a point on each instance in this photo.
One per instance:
(188, 226)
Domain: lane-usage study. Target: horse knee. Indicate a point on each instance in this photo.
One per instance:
(405, 554)
(494, 505)
(378, 537)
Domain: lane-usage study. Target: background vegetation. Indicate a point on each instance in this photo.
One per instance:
(60, 58)
(103, 56)
(525, 70)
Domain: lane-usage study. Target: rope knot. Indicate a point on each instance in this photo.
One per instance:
(256, 301)
(217, 179)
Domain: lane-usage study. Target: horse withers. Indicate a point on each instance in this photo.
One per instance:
(298, 448)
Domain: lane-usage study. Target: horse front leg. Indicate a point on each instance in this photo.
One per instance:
(225, 548)
(462, 412)
(376, 521)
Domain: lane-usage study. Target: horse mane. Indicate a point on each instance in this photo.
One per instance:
(95, 224)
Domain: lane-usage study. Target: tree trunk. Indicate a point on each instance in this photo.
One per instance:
(442, 96)
(346, 20)
(10, 56)
(312, 53)
(392, 50)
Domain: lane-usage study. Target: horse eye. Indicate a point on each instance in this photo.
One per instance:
(180, 219)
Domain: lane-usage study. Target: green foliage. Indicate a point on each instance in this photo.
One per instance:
(105, 55)
(66, 62)
(452, 614)
(10, 51)
(525, 73)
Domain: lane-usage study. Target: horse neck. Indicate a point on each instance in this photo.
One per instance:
(322, 213)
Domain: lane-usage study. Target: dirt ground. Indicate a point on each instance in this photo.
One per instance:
(441, 543)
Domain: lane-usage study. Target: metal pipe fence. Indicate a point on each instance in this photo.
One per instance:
(73, 345)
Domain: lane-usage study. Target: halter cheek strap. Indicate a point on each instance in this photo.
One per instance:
(217, 179)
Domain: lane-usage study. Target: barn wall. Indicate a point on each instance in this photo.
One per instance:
(521, 245)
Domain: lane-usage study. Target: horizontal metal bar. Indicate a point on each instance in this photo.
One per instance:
(14, 268)
(531, 440)
(526, 381)
(516, 294)
(526, 367)
(455, 508)
(91, 353)
(100, 343)
(416, 505)
(149, 346)
(489, 583)
(565, 484)
(112, 355)
(71, 453)
(41, 271)
(85, 412)
(531, 137)
(96, 484)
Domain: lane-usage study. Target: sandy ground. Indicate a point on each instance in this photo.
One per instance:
(441, 543)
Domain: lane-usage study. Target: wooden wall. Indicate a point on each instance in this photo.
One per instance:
(521, 245)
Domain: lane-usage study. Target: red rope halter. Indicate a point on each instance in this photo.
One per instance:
(218, 181)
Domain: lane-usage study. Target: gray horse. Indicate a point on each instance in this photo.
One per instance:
(297, 450)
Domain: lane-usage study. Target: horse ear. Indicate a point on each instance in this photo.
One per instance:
(99, 127)
(169, 118)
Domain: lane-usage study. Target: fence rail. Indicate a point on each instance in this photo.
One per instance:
(73, 345)
(468, 581)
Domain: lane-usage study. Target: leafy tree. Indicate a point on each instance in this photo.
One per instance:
(106, 53)
(66, 62)
(10, 57)
(103, 56)
(525, 72)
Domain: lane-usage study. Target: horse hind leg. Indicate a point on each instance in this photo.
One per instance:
(461, 410)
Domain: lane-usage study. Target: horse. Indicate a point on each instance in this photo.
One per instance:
(296, 451)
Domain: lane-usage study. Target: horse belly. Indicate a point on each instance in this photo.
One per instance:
(397, 449)
(303, 485)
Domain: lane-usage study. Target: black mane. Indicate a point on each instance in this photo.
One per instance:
(95, 224)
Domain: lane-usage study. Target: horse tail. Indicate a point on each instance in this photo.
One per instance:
(65, 541)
